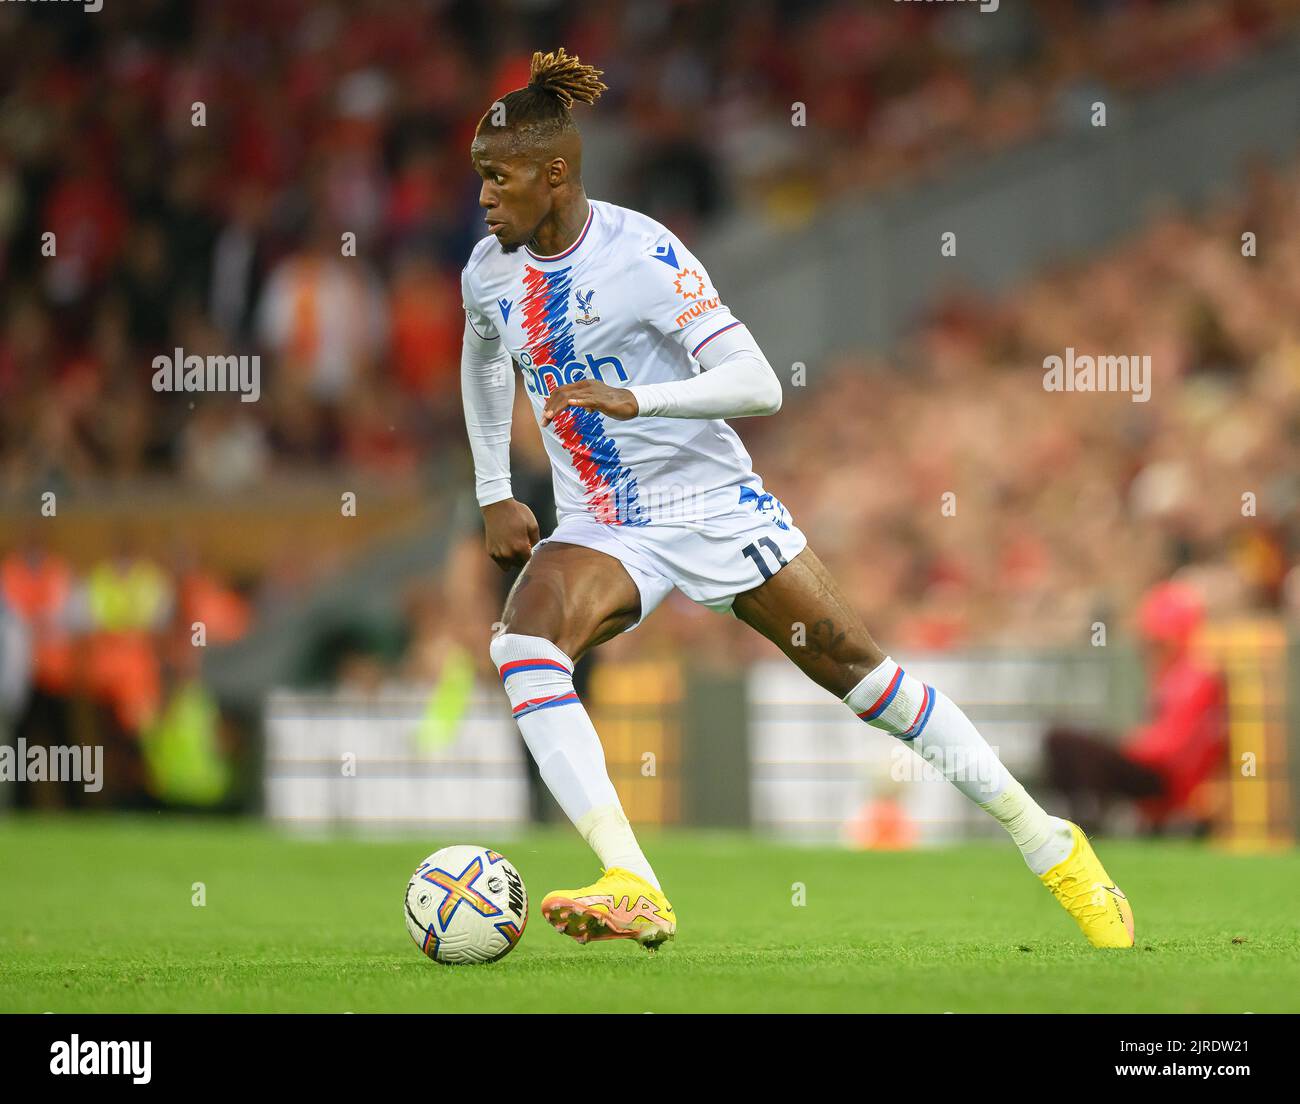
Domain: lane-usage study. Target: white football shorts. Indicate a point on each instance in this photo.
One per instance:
(709, 561)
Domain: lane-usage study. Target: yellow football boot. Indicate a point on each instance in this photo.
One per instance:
(1088, 894)
(621, 905)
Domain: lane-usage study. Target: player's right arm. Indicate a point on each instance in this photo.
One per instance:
(487, 384)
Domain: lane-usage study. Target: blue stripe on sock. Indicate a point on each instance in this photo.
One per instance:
(537, 665)
(895, 685)
(912, 733)
(567, 699)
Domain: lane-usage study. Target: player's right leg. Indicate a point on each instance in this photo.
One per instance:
(570, 598)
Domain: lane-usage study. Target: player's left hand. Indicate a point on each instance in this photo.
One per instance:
(617, 402)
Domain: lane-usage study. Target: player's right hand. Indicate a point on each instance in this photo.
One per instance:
(511, 531)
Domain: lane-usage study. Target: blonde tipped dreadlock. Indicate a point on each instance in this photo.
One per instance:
(539, 112)
(565, 77)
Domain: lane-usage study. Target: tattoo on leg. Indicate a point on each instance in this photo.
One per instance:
(824, 640)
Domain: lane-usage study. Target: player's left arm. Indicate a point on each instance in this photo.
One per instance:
(735, 379)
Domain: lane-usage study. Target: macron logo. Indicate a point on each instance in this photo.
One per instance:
(505, 305)
(665, 253)
(90, 1057)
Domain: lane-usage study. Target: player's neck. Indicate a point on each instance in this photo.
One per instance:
(556, 234)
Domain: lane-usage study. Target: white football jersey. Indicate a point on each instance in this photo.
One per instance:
(628, 304)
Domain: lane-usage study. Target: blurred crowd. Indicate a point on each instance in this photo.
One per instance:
(110, 656)
(181, 176)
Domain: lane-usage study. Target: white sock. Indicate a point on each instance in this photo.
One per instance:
(608, 832)
(538, 678)
(931, 723)
(1043, 840)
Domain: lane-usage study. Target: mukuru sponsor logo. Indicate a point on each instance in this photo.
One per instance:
(697, 309)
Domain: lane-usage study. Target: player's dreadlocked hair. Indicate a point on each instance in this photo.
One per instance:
(556, 81)
(565, 78)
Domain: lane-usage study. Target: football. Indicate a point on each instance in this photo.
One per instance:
(466, 905)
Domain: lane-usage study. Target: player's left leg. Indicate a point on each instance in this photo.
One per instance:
(835, 650)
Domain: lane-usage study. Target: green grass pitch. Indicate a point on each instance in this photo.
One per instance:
(96, 915)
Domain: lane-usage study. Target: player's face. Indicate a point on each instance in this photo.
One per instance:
(516, 195)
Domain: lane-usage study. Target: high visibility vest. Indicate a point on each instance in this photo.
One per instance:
(182, 750)
(133, 600)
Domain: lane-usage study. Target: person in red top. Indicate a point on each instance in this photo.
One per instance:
(1165, 760)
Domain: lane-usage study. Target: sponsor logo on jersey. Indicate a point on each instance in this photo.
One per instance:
(697, 309)
(689, 284)
(583, 299)
(664, 252)
(542, 379)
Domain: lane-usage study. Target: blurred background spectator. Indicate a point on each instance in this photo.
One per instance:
(1166, 762)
